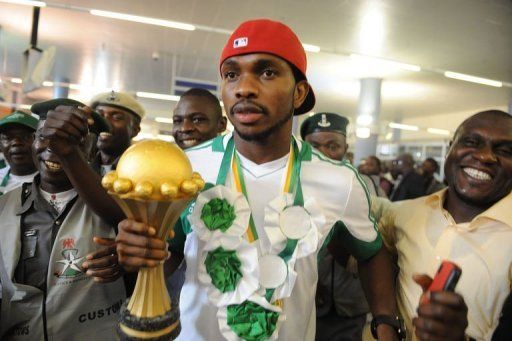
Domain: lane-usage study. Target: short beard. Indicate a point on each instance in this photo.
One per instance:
(482, 203)
(262, 137)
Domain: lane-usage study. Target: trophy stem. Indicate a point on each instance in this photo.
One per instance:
(150, 314)
(150, 297)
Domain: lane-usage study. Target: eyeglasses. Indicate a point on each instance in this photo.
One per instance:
(397, 162)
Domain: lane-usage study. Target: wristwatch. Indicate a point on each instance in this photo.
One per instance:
(394, 321)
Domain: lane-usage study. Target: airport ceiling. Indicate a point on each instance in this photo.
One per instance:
(467, 36)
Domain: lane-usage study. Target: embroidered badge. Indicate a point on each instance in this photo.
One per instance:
(113, 97)
(240, 42)
(71, 262)
(324, 123)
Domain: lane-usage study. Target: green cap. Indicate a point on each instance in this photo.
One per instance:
(42, 108)
(19, 117)
(324, 122)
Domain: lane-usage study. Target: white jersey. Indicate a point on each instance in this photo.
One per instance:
(339, 193)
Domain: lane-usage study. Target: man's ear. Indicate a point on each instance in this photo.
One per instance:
(222, 124)
(300, 93)
(136, 128)
(449, 147)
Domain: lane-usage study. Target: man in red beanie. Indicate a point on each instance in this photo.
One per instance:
(252, 237)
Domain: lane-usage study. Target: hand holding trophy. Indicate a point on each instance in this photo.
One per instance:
(153, 184)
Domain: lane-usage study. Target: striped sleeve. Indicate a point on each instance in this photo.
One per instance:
(359, 229)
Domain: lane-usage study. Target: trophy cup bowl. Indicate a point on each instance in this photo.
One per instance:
(153, 184)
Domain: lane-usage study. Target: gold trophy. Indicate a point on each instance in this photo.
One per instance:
(153, 183)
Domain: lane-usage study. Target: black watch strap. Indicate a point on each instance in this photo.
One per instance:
(393, 321)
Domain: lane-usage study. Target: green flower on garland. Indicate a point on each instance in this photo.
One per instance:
(218, 214)
(251, 321)
(224, 268)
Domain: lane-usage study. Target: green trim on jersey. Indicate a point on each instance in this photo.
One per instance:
(359, 249)
(367, 193)
(306, 156)
(218, 144)
(202, 145)
(322, 157)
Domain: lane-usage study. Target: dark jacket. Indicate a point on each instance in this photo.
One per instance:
(412, 186)
(504, 330)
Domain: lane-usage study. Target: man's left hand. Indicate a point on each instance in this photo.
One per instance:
(102, 265)
(444, 317)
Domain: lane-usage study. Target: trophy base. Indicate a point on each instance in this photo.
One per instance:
(158, 328)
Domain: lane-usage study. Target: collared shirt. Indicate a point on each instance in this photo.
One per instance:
(423, 234)
(40, 223)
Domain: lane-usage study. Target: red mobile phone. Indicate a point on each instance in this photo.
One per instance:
(445, 279)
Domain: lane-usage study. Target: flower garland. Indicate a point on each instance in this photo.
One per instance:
(248, 287)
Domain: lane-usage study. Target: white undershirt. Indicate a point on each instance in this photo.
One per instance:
(14, 180)
(105, 169)
(263, 183)
(58, 200)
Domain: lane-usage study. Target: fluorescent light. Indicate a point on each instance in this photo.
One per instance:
(312, 113)
(473, 79)
(372, 28)
(143, 20)
(385, 62)
(364, 120)
(75, 86)
(25, 2)
(17, 80)
(47, 83)
(438, 131)
(363, 132)
(167, 138)
(311, 48)
(403, 126)
(164, 120)
(389, 136)
(153, 95)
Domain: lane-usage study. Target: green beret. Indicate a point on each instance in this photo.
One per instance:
(119, 100)
(324, 122)
(42, 108)
(19, 117)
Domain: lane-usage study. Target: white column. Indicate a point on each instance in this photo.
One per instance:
(367, 119)
(60, 90)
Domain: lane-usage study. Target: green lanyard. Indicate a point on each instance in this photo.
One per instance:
(5, 180)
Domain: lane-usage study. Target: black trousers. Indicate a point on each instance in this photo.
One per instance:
(333, 327)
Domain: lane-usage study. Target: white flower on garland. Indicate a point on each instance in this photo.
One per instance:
(220, 212)
(229, 269)
(284, 221)
(277, 279)
(254, 319)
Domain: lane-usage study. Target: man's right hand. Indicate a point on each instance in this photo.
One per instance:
(137, 246)
(65, 128)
